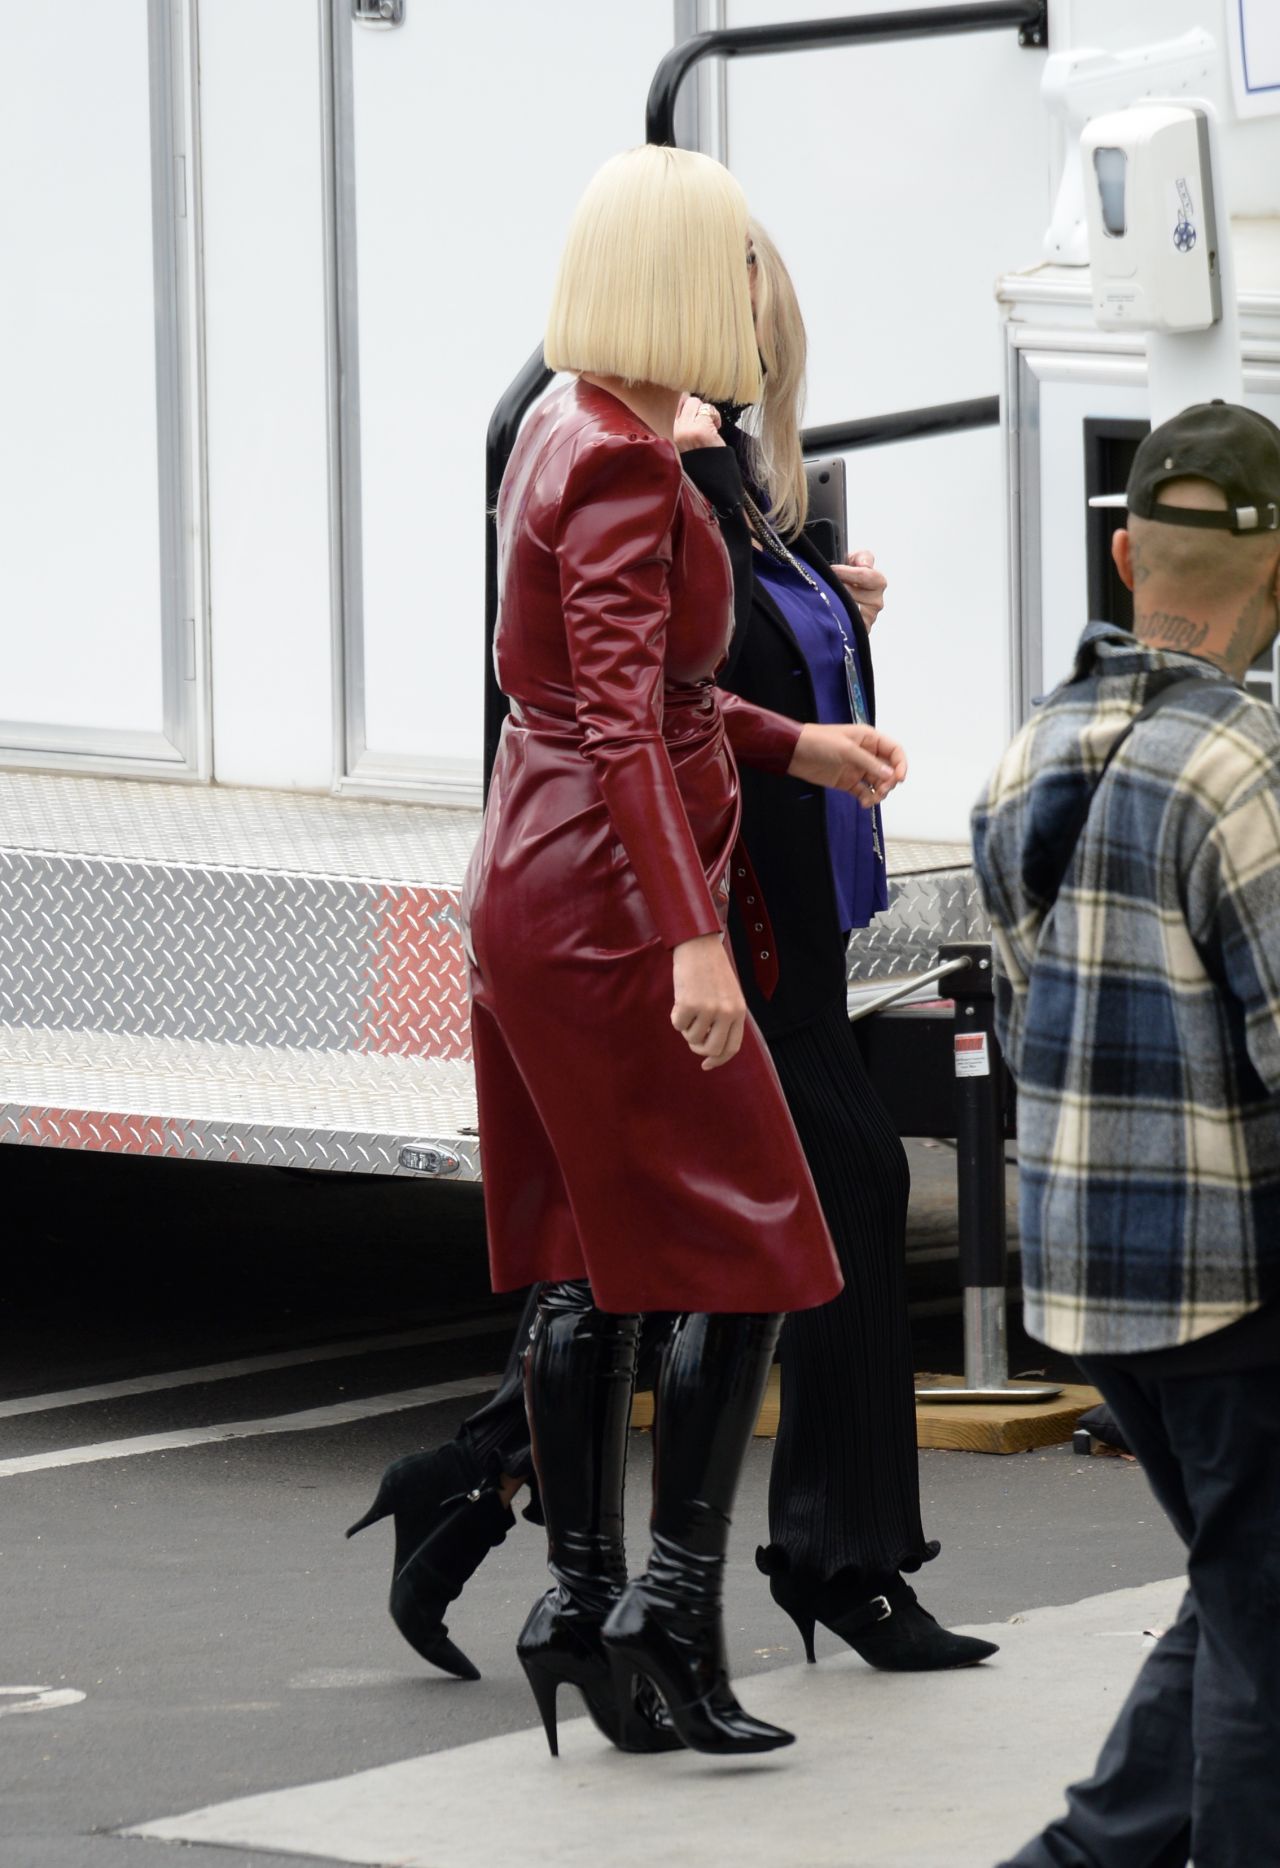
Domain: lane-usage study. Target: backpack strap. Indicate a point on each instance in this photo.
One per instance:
(1170, 684)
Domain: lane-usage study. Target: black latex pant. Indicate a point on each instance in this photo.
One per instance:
(498, 1433)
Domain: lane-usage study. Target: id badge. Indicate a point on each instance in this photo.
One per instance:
(857, 699)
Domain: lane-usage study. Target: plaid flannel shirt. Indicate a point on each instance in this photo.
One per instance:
(1139, 1009)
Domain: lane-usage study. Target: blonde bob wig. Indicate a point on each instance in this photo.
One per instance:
(777, 455)
(653, 284)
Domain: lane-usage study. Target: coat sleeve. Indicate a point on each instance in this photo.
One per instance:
(758, 737)
(613, 547)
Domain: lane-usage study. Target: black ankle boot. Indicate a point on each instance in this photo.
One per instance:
(439, 1570)
(887, 1627)
(579, 1375)
(418, 1489)
(668, 1627)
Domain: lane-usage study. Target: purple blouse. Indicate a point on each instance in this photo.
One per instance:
(857, 872)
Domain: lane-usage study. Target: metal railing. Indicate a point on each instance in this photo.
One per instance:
(1030, 17)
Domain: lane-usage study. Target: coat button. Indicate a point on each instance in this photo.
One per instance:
(764, 953)
(751, 901)
(759, 927)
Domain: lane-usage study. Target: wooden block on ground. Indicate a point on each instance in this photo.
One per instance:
(999, 1426)
(766, 1425)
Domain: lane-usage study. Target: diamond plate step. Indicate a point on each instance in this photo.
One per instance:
(258, 1104)
(234, 917)
(933, 898)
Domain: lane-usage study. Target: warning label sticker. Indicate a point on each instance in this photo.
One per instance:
(972, 1056)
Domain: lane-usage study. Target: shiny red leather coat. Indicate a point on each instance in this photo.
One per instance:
(613, 813)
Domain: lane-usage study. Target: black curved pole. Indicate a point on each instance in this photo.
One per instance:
(504, 425)
(1031, 17)
(876, 431)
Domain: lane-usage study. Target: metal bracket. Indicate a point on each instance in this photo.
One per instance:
(1035, 37)
(429, 1158)
(378, 12)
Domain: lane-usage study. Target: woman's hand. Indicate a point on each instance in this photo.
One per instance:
(859, 759)
(709, 1010)
(697, 425)
(864, 583)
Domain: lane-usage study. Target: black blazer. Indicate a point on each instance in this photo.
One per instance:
(784, 821)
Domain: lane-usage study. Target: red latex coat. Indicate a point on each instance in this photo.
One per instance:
(608, 1152)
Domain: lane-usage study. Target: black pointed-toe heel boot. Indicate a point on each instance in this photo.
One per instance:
(445, 1499)
(446, 1521)
(885, 1625)
(668, 1628)
(579, 1374)
(418, 1490)
(440, 1569)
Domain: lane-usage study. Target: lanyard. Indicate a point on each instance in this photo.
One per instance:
(858, 710)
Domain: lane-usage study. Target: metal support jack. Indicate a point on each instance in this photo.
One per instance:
(980, 1188)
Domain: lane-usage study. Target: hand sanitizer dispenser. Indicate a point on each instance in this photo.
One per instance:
(1149, 203)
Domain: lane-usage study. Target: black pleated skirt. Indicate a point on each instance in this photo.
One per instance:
(844, 1492)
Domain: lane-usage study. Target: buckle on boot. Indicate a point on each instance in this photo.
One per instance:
(867, 1615)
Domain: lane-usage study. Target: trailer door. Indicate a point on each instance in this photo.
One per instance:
(462, 138)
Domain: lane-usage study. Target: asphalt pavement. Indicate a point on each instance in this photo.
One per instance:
(205, 1370)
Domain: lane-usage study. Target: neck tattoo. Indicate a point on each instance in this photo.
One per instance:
(1179, 632)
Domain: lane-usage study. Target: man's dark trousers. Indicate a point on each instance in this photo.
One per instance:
(1191, 1768)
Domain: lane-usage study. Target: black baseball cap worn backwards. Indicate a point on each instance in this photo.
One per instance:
(1235, 449)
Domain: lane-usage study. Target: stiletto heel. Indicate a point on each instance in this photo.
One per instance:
(381, 1507)
(544, 1687)
(806, 1623)
(560, 1645)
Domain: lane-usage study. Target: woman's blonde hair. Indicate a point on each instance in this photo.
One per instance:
(777, 456)
(653, 283)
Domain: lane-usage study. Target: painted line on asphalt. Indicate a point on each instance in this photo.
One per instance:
(308, 1420)
(37, 1698)
(247, 1365)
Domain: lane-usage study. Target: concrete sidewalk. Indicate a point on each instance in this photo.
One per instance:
(890, 1771)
